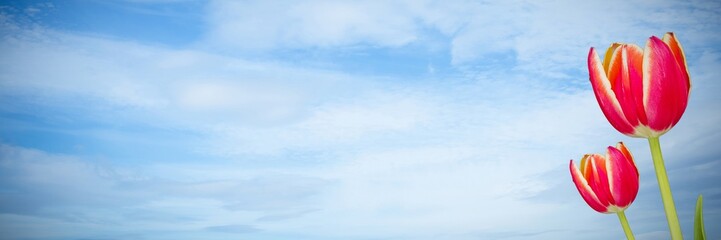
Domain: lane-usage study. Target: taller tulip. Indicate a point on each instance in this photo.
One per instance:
(642, 92)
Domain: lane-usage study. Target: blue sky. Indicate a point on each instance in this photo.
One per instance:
(172, 119)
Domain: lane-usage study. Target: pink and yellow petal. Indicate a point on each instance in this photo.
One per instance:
(677, 50)
(623, 178)
(634, 62)
(599, 179)
(624, 76)
(665, 87)
(585, 189)
(585, 166)
(610, 53)
(622, 147)
(605, 95)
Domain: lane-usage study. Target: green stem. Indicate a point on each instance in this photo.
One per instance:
(624, 224)
(663, 185)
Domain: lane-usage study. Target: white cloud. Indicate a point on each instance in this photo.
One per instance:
(457, 172)
(185, 87)
(476, 32)
(254, 25)
(76, 196)
(372, 115)
(389, 151)
(540, 38)
(551, 39)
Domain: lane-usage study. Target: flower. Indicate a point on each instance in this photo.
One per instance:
(642, 92)
(609, 184)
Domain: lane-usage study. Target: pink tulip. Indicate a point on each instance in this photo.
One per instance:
(642, 92)
(608, 184)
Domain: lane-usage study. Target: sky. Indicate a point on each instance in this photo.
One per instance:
(175, 119)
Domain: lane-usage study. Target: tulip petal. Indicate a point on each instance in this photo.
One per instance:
(605, 95)
(585, 167)
(623, 178)
(634, 62)
(585, 190)
(599, 179)
(624, 73)
(609, 55)
(665, 87)
(670, 40)
(622, 147)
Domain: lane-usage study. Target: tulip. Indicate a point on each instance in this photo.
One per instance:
(609, 184)
(642, 92)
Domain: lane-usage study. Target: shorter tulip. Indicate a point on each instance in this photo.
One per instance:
(609, 184)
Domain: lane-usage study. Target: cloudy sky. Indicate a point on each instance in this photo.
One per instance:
(172, 119)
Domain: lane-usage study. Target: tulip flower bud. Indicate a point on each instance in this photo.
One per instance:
(609, 184)
(642, 92)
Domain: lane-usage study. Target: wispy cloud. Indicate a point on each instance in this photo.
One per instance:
(511, 32)
(233, 229)
(66, 190)
(247, 25)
